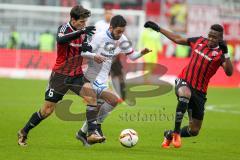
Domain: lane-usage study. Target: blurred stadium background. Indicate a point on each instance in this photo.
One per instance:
(28, 29)
(27, 54)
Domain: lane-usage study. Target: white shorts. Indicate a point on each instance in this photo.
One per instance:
(99, 87)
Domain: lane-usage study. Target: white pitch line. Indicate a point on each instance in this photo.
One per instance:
(215, 109)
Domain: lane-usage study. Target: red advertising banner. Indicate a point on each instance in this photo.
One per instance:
(27, 59)
(37, 65)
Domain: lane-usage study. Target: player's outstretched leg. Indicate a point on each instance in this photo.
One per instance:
(34, 120)
(109, 103)
(183, 95)
(92, 134)
(91, 114)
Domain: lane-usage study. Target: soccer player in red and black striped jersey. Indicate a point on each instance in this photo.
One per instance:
(67, 72)
(207, 55)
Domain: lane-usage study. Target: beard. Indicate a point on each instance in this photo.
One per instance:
(115, 38)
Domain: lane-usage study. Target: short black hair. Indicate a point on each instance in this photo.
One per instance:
(217, 27)
(79, 11)
(118, 21)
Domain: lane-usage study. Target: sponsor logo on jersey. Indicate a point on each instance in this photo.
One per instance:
(203, 55)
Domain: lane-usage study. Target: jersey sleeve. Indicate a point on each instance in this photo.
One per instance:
(126, 46)
(191, 41)
(64, 37)
(95, 42)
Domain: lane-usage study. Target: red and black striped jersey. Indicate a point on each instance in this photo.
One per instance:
(69, 42)
(203, 64)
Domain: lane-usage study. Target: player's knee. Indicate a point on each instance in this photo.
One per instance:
(184, 92)
(194, 132)
(47, 110)
(114, 102)
(110, 98)
(91, 100)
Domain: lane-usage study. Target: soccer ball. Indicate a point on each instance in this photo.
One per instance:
(128, 138)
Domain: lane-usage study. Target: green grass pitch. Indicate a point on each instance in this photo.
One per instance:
(54, 139)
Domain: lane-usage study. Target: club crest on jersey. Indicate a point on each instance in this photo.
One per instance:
(110, 47)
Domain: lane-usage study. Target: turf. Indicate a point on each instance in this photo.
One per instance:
(55, 138)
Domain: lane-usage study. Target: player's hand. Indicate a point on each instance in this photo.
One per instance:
(89, 30)
(99, 59)
(86, 47)
(145, 51)
(223, 47)
(152, 25)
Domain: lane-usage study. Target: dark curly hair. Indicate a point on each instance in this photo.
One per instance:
(217, 27)
(118, 21)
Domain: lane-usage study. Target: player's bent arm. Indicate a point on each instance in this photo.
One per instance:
(137, 54)
(228, 67)
(134, 55)
(64, 38)
(96, 57)
(227, 64)
(170, 35)
(174, 37)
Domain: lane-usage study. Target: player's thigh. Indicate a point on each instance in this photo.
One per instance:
(88, 94)
(75, 83)
(116, 68)
(196, 106)
(56, 88)
(109, 96)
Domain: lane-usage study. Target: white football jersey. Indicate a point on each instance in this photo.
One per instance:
(103, 43)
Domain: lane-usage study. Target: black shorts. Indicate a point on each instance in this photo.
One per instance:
(197, 101)
(116, 68)
(59, 84)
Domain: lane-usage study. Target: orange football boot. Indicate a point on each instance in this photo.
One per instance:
(176, 141)
(167, 139)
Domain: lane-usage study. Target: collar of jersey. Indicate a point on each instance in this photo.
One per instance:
(109, 34)
(73, 28)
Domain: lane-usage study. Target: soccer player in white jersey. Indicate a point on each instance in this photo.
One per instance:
(106, 46)
(116, 72)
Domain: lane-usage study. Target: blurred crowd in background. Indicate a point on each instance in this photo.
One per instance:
(171, 14)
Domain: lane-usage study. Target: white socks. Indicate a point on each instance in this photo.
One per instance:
(103, 112)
